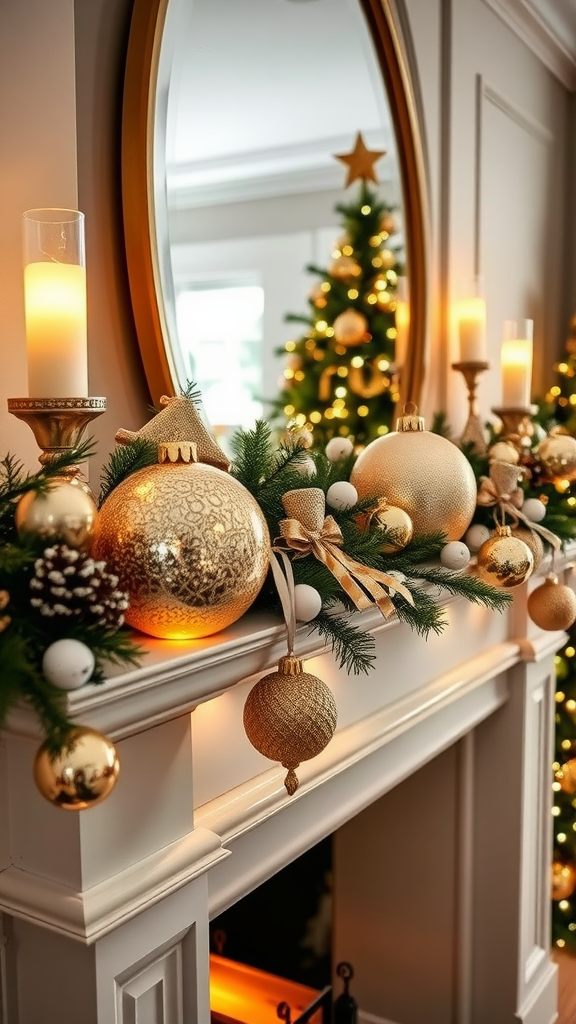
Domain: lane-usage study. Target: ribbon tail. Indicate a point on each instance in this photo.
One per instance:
(342, 574)
(546, 534)
(362, 574)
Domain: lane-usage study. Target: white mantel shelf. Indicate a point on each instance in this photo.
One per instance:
(198, 817)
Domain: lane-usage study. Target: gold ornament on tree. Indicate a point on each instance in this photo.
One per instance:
(563, 880)
(557, 457)
(552, 605)
(504, 560)
(344, 268)
(422, 473)
(290, 715)
(82, 774)
(566, 776)
(188, 541)
(368, 380)
(350, 328)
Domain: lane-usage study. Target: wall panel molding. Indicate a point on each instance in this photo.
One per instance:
(548, 28)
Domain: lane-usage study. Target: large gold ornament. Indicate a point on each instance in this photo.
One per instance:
(190, 545)
(563, 880)
(343, 268)
(557, 457)
(350, 327)
(82, 774)
(504, 560)
(566, 776)
(552, 605)
(290, 716)
(422, 473)
(65, 512)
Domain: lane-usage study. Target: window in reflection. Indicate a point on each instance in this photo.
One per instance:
(221, 326)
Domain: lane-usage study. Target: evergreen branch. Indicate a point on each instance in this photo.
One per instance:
(352, 648)
(192, 392)
(424, 617)
(423, 549)
(466, 585)
(125, 460)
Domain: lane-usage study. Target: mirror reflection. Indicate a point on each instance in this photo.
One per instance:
(261, 94)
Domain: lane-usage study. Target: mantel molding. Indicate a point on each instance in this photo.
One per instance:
(548, 28)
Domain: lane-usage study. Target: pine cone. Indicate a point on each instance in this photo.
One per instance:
(69, 582)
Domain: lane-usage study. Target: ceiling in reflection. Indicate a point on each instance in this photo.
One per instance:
(263, 92)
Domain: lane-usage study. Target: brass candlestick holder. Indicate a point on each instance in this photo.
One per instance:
(58, 424)
(474, 430)
(517, 426)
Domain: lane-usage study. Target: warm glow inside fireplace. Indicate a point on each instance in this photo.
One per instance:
(246, 995)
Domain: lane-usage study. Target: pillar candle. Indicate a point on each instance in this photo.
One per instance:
(472, 330)
(516, 366)
(56, 337)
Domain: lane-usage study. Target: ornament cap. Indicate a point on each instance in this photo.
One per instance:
(503, 531)
(177, 451)
(410, 421)
(289, 665)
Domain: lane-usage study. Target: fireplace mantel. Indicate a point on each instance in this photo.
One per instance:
(124, 892)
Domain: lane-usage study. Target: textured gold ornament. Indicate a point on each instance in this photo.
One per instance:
(503, 451)
(552, 605)
(343, 268)
(566, 776)
(563, 880)
(65, 512)
(318, 296)
(533, 541)
(82, 774)
(350, 327)
(290, 716)
(398, 526)
(557, 457)
(190, 545)
(504, 560)
(422, 473)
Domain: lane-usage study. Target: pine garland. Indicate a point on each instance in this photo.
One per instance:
(125, 460)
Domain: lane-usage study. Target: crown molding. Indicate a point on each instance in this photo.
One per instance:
(548, 28)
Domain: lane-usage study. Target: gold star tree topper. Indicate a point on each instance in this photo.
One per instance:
(360, 162)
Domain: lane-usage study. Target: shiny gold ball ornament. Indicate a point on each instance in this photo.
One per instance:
(345, 268)
(566, 776)
(422, 473)
(563, 880)
(552, 605)
(65, 512)
(504, 560)
(290, 716)
(398, 526)
(556, 454)
(533, 541)
(188, 542)
(82, 774)
(504, 451)
(350, 328)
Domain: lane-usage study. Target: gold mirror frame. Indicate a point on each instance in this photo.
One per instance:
(138, 137)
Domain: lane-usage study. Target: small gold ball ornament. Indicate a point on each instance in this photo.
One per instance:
(504, 560)
(504, 451)
(566, 776)
(65, 512)
(290, 716)
(398, 526)
(388, 224)
(82, 774)
(350, 327)
(533, 541)
(422, 473)
(552, 605)
(563, 880)
(190, 545)
(343, 268)
(557, 457)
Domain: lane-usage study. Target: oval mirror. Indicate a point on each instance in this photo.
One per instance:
(233, 112)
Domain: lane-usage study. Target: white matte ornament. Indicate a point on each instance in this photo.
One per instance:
(476, 536)
(339, 448)
(455, 555)
(68, 664)
(341, 495)
(307, 602)
(305, 466)
(534, 510)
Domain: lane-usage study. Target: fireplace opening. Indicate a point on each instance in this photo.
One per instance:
(274, 945)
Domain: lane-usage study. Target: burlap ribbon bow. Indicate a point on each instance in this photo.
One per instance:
(308, 530)
(501, 490)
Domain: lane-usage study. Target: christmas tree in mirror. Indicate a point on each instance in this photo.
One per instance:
(341, 375)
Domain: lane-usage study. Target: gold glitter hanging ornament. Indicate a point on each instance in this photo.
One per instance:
(65, 511)
(289, 715)
(350, 328)
(552, 605)
(82, 774)
(563, 880)
(504, 560)
(188, 542)
(422, 473)
(557, 457)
